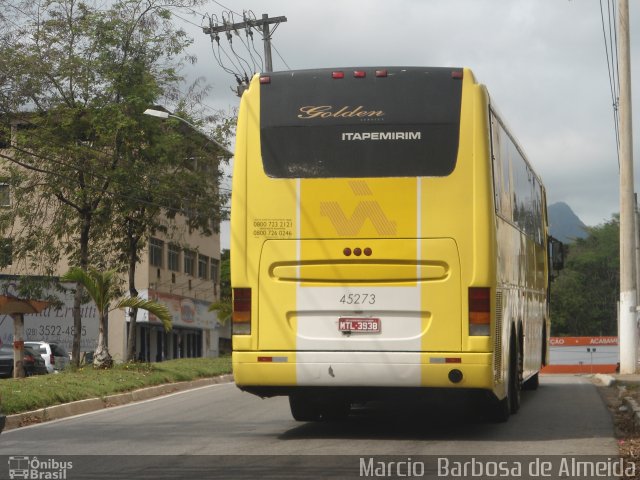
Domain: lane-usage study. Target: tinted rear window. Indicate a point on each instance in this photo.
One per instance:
(403, 125)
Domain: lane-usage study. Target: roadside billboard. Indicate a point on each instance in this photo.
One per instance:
(185, 311)
(54, 324)
(583, 355)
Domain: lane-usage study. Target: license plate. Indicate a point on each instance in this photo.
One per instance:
(360, 325)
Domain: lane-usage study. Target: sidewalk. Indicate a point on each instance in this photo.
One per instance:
(92, 404)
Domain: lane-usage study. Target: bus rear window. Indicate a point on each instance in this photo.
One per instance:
(404, 124)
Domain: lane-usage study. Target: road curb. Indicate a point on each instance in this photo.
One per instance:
(621, 382)
(603, 379)
(634, 409)
(56, 412)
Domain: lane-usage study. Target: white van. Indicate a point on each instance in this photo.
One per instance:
(54, 355)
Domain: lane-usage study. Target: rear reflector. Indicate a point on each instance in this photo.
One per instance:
(359, 74)
(265, 79)
(273, 359)
(241, 311)
(457, 74)
(445, 360)
(382, 73)
(479, 310)
(337, 75)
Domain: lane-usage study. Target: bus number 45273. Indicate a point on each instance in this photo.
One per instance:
(358, 299)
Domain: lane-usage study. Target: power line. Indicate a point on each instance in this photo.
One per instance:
(186, 20)
(248, 43)
(249, 32)
(229, 36)
(283, 60)
(226, 8)
(238, 73)
(228, 26)
(612, 66)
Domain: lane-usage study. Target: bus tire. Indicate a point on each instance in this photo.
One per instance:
(510, 404)
(501, 410)
(335, 410)
(532, 383)
(304, 409)
(515, 375)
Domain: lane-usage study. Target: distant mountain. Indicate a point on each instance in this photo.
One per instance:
(564, 224)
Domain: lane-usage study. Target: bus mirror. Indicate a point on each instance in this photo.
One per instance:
(556, 253)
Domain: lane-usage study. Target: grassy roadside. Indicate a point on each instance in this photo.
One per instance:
(23, 395)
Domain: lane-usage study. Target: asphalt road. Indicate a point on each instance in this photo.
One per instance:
(565, 416)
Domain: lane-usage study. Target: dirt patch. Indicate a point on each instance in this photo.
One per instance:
(30, 420)
(627, 432)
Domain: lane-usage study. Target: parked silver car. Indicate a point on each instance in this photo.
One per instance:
(54, 355)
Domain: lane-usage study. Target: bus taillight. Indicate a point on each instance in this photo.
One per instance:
(479, 310)
(241, 311)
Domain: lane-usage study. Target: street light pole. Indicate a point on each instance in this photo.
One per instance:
(164, 115)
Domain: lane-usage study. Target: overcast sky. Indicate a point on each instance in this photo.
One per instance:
(543, 62)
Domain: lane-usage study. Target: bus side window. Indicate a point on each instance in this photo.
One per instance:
(501, 170)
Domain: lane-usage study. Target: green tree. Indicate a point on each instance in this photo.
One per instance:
(584, 296)
(177, 173)
(224, 307)
(76, 77)
(103, 289)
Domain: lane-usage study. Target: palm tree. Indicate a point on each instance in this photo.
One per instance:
(102, 288)
(224, 309)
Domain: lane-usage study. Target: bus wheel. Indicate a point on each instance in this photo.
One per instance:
(504, 407)
(532, 383)
(515, 375)
(335, 410)
(304, 409)
(500, 410)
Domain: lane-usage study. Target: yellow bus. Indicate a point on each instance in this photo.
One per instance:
(388, 236)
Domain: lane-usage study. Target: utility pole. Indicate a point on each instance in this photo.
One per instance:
(266, 38)
(628, 330)
(637, 236)
(264, 24)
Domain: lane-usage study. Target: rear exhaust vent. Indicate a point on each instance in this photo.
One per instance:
(497, 340)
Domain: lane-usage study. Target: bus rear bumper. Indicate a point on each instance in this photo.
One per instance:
(361, 369)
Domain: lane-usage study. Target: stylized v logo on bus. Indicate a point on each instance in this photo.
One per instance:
(347, 227)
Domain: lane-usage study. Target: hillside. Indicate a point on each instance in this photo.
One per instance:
(564, 223)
